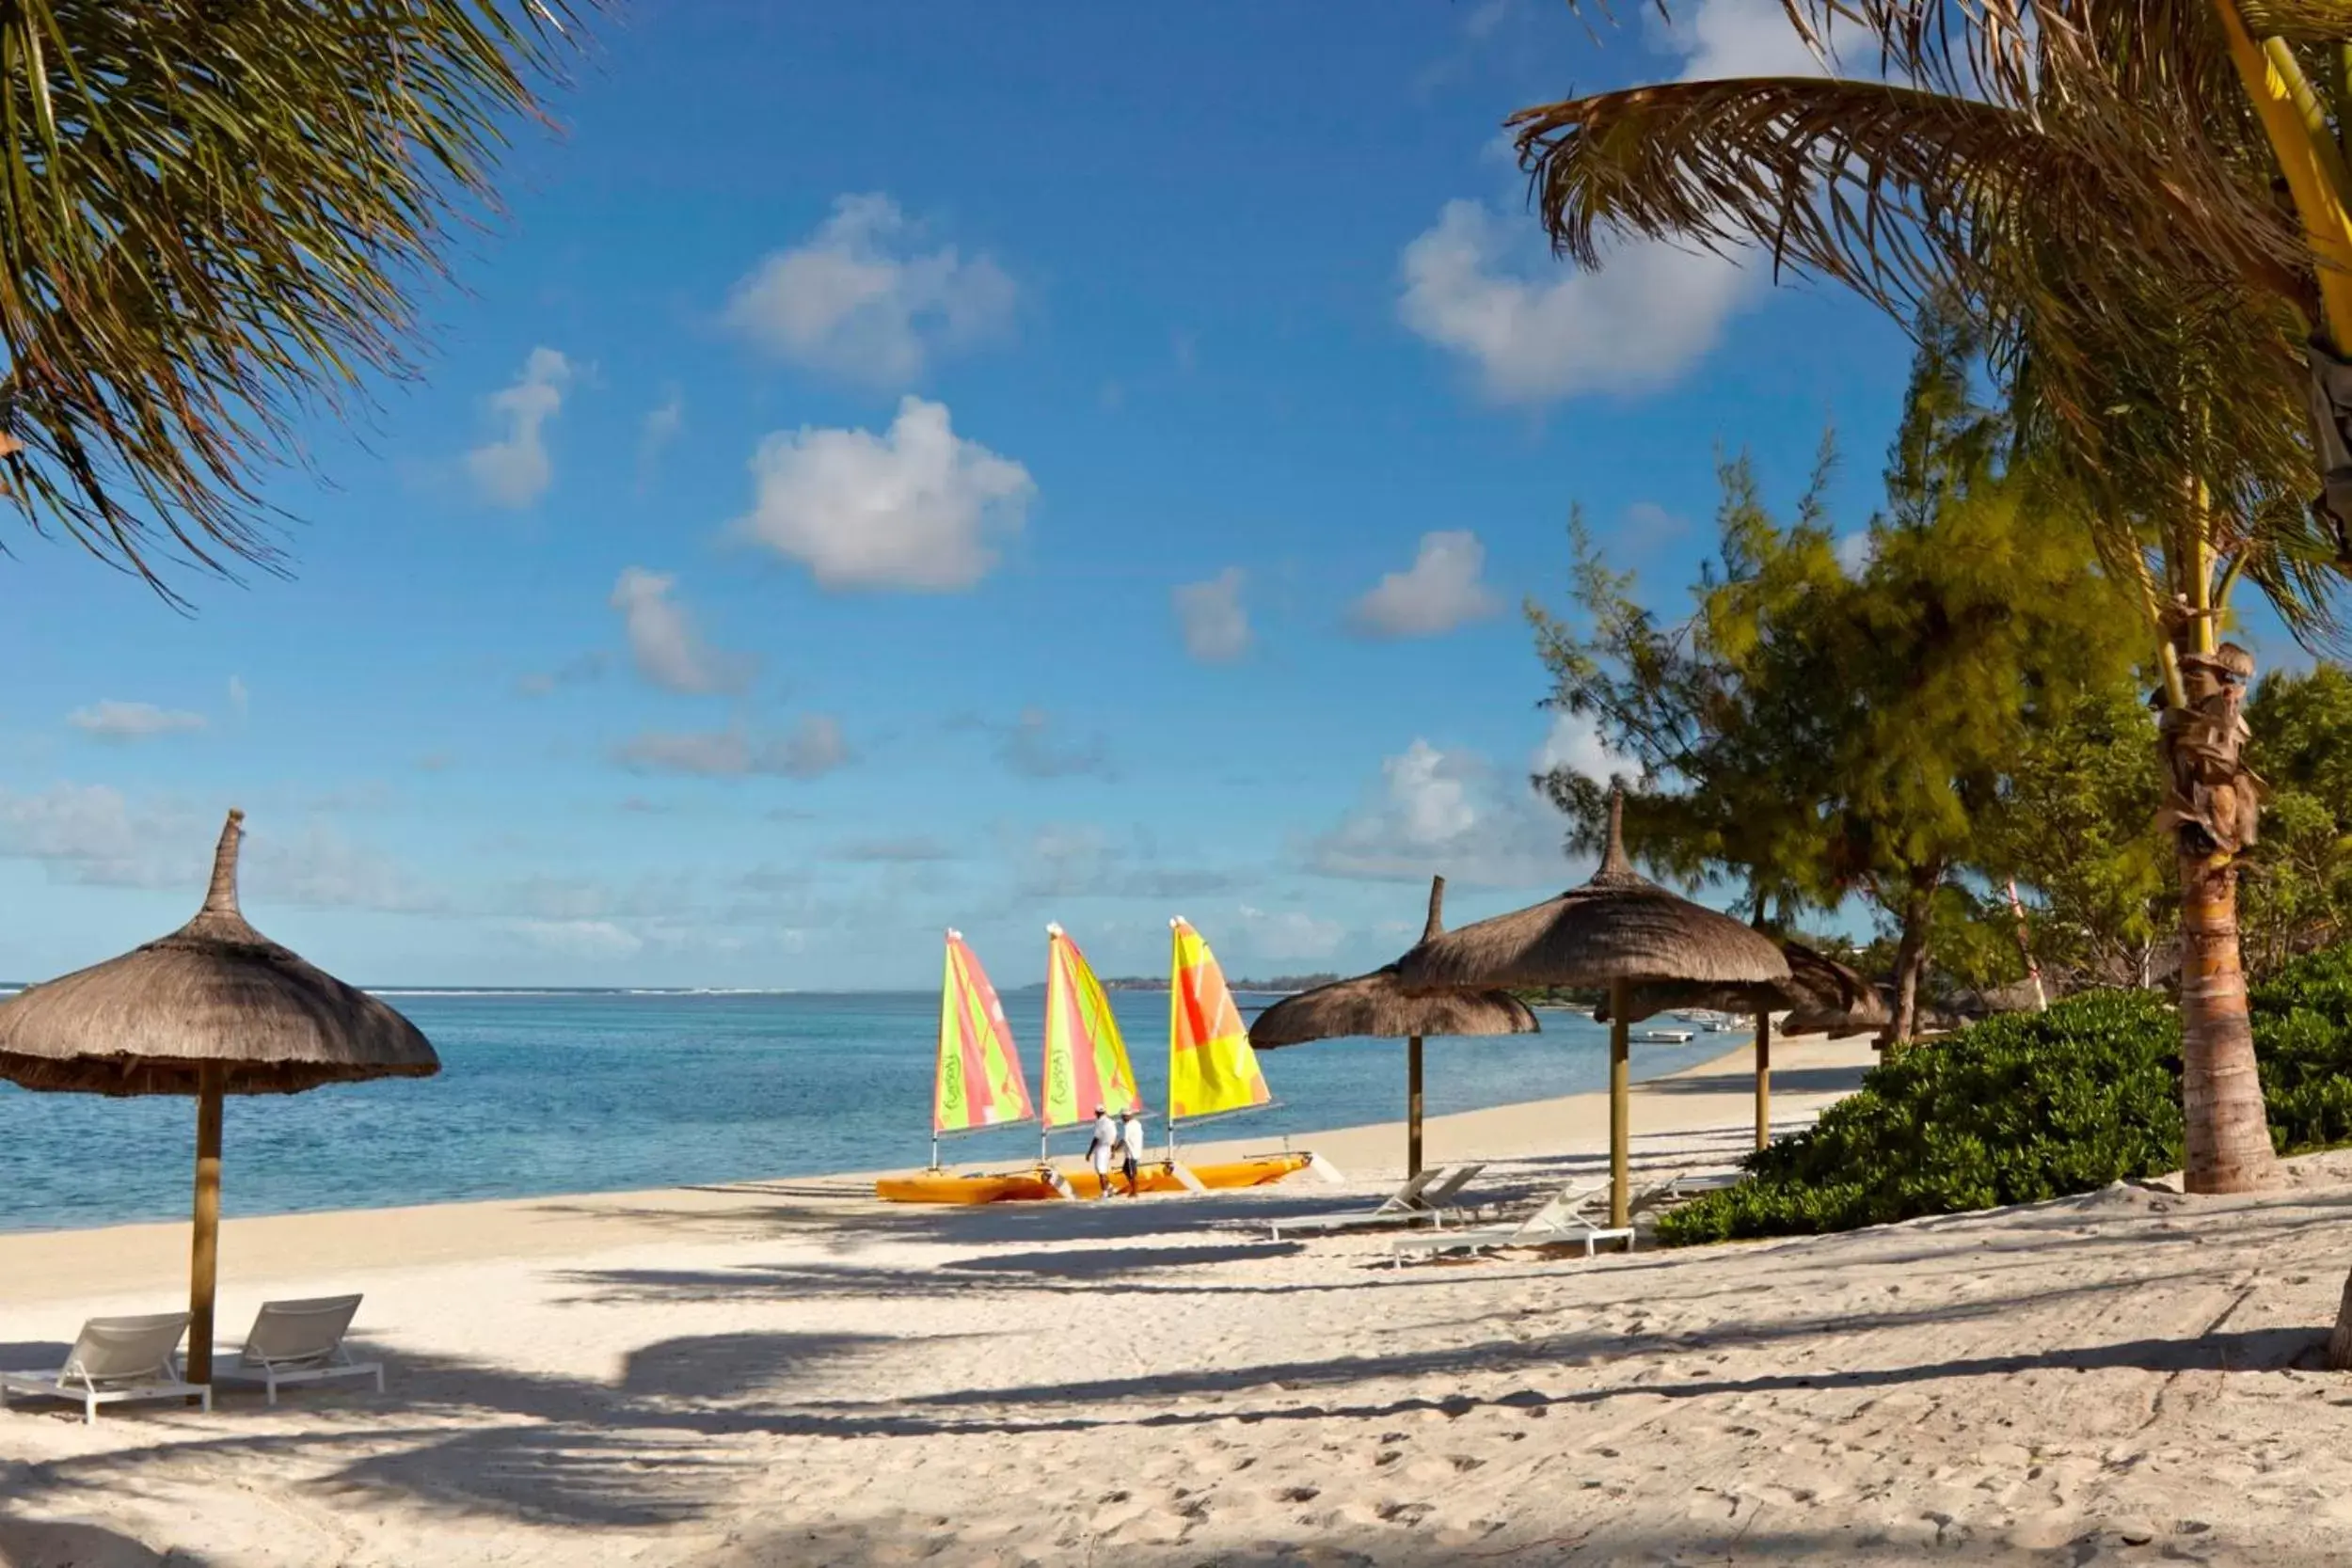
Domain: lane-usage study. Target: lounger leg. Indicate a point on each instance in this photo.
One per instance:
(89, 1410)
(379, 1380)
(269, 1386)
(208, 1398)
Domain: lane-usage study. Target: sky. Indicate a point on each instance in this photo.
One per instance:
(919, 466)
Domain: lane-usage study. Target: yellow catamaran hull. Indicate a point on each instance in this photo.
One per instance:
(1029, 1186)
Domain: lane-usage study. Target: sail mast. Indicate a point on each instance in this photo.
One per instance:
(979, 1081)
(1212, 1070)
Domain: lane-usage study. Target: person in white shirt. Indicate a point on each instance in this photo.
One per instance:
(1131, 1147)
(1099, 1151)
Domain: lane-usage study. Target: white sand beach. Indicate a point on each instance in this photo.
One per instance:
(791, 1372)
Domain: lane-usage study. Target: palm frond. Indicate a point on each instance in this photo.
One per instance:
(214, 219)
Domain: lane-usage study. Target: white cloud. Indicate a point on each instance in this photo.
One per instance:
(1079, 860)
(905, 850)
(1719, 39)
(1633, 326)
(1286, 936)
(663, 643)
(113, 721)
(1575, 744)
(239, 699)
(916, 508)
(1439, 591)
(1855, 550)
(858, 300)
(1444, 813)
(661, 426)
(1215, 625)
(514, 470)
(811, 748)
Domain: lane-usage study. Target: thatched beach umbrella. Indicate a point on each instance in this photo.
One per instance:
(1620, 930)
(1821, 996)
(215, 1008)
(1376, 1006)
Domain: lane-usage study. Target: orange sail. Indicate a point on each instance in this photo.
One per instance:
(1086, 1061)
(979, 1082)
(1211, 1067)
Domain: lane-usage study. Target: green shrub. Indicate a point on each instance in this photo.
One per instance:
(2303, 1040)
(2033, 1106)
(2017, 1109)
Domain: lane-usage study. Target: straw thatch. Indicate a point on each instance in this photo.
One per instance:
(214, 994)
(1378, 1005)
(1619, 925)
(1820, 995)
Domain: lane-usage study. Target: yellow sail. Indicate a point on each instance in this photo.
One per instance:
(1086, 1061)
(979, 1081)
(1211, 1068)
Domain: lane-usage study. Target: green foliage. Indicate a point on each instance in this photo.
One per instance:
(2035, 1106)
(2297, 890)
(2020, 1108)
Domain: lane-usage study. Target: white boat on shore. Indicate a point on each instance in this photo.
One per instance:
(1667, 1037)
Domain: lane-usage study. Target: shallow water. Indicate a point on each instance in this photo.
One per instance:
(572, 1092)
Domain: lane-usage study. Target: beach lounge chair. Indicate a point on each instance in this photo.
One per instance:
(1408, 1205)
(115, 1359)
(1560, 1221)
(298, 1342)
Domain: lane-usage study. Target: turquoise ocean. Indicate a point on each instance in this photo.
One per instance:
(548, 1092)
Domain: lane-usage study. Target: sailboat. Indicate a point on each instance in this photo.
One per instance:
(978, 1083)
(1212, 1070)
(1085, 1065)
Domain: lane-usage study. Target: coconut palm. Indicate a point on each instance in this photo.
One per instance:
(214, 216)
(2096, 184)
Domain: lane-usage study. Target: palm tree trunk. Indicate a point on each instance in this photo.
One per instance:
(2221, 1092)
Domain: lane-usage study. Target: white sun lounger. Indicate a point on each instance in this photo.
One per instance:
(298, 1342)
(1408, 1203)
(1560, 1222)
(115, 1359)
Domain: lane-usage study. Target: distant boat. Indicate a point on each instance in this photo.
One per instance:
(1666, 1037)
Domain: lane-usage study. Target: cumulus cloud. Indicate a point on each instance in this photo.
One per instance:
(918, 507)
(239, 698)
(113, 721)
(662, 640)
(1286, 936)
(1443, 812)
(859, 298)
(810, 749)
(1856, 551)
(1719, 39)
(1215, 625)
(1575, 744)
(514, 470)
(1473, 288)
(1439, 591)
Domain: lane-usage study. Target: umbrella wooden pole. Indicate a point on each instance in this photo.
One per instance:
(1763, 1079)
(1620, 1090)
(204, 1259)
(1412, 1106)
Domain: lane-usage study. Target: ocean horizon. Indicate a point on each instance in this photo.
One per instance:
(552, 1090)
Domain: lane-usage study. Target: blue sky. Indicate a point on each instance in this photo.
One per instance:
(922, 465)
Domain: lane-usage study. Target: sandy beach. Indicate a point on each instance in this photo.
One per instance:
(789, 1372)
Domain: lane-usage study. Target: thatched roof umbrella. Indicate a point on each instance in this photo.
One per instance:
(1620, 930)
(214, 1008)
(1376, 1006)
(1821, 996)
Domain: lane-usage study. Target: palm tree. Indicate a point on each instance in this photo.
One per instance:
(214, 216)
(2095, 185)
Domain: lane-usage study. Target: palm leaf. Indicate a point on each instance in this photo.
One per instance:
(213, 220)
